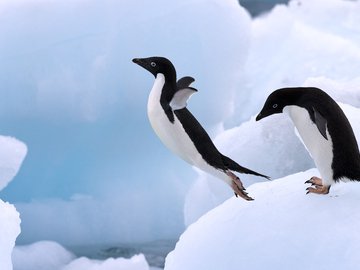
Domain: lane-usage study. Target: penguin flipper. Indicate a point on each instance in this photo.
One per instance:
(183, 93)
(180, 98)
(232, 165)
(184, 82)
(321, 123)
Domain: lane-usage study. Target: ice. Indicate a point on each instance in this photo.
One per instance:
(346, 91)
(137, 262)
(274, 140)
(12, 154)
(9, 230)
(293, 45)
(91, 221)
(72, 94)
(282, 229)
(275, 151)
(47, 255)
(75, 97)
(44, 255)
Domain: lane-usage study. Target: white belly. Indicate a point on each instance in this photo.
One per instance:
(320, 149)
(173, 135)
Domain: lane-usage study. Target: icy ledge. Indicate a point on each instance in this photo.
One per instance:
(9, 230)
(12, 154)
(282, 229)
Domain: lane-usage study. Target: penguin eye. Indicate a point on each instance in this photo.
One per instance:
(153, 64)
(275, 106)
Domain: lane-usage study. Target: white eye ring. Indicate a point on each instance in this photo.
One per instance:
(153, 64)
(275, 106)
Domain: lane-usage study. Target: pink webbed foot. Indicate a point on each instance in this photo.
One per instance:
(238, 187)
(317, 186)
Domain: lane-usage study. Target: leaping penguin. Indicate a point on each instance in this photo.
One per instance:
(325, 131)
(179, 130)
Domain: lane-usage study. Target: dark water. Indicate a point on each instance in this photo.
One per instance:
(155, 251)
(257, 7)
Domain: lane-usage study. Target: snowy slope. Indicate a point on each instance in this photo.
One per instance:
(282, 229)
(273, 148)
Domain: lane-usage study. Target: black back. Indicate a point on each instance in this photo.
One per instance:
(206, 147)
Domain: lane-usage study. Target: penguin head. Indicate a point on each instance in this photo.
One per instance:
(157, 65)
(276, 102)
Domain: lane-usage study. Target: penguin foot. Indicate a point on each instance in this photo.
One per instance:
(317, 186)
(238, 187)
(314, 181)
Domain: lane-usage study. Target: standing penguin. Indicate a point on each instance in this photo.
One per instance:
(325, 131)
(178, 129)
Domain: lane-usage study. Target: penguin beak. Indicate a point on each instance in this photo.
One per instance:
(140, 61)
(137, 60)
(259, 117)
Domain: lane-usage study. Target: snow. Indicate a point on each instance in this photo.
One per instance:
(282, 229)
(12, 154)
(293, 45)
(137, 262)
(9, 230)
(31, 257)
(75, 98)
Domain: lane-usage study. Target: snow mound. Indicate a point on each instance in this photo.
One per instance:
(48, 255)
(275, 151)
(282, 229)
(9, 230)
(12, 154)
(269, 142)
(31, 257)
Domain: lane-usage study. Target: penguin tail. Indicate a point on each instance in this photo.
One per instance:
(232, 165)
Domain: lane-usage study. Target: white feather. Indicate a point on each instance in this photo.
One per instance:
(179, 101)
(320, 149)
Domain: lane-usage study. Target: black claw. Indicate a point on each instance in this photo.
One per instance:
(307, 192)
(308, 188)
(308, 182)
(235, 194)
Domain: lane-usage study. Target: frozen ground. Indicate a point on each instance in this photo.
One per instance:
(282, 229)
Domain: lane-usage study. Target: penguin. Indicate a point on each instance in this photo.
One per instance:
(324, 130)
(179, 130)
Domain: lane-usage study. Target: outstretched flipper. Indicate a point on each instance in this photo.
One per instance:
(183, 93)
(184, 82)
